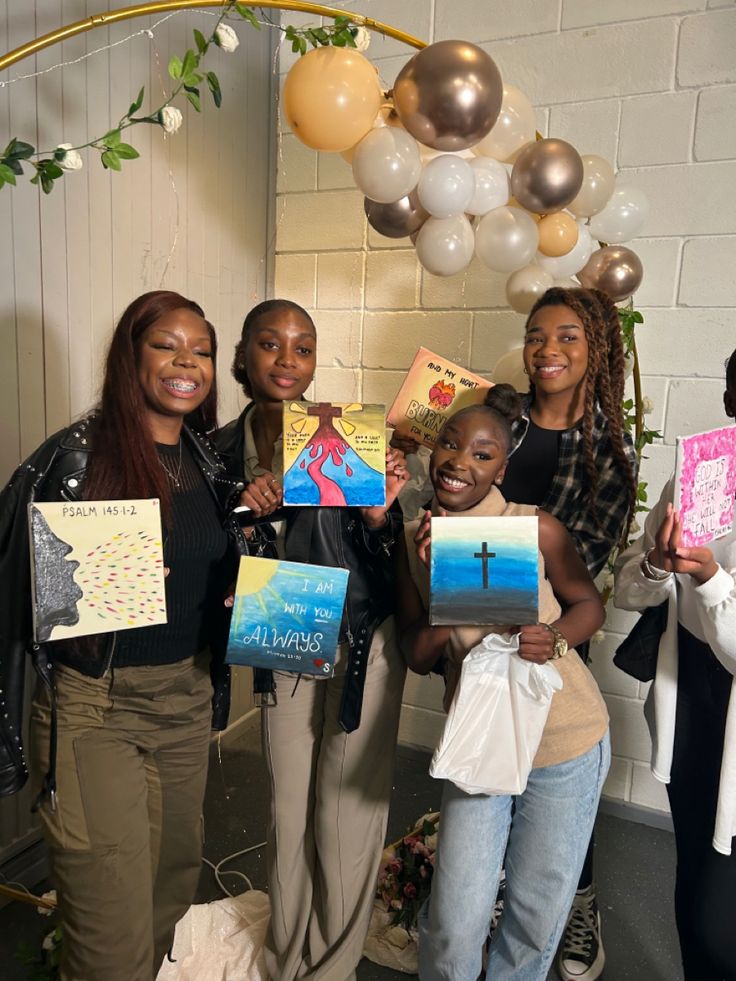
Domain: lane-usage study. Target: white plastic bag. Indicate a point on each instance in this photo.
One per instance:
(496, 719)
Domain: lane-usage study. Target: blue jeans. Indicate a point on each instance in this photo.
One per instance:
(544, 834)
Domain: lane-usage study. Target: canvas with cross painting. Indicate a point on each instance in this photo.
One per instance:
(334, 454)
(484, 570)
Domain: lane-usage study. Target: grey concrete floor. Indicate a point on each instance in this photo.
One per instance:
(634, 866)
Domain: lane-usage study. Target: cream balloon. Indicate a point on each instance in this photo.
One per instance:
(509, 370)
(446, 186)
(386, 164)
(597, 187)
(558, 234)
(568, 283)
(514, 128)
(491, 186)
(567, 265)
(386, 117)
(506, 239)
(525, 286)
(331, 98)
(445, 245)
(623, 217)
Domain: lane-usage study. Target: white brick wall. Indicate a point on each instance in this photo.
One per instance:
(644, 85)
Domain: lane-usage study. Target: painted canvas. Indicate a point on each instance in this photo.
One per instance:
(286, 615)
(433, 389)
(334, 454)
(96, 566)
(484, 570)
(705, 483)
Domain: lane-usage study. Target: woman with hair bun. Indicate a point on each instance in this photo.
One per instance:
(543, 832)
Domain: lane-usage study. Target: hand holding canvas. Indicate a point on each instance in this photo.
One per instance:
(263, 495)
(396, 477)
(423, 537)
(670, 556)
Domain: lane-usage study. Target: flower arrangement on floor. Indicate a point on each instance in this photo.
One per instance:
(404, 882)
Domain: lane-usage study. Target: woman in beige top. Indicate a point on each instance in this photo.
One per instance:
(544, 831)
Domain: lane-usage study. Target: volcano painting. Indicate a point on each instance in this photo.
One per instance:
(334, 454)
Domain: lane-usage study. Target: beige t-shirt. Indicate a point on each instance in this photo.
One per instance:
(578, 718)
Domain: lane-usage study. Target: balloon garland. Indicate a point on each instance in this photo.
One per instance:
(451, 158)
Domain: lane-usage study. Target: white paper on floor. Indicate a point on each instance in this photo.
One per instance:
(220, 941)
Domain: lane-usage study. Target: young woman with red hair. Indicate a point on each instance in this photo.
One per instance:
(121, 721)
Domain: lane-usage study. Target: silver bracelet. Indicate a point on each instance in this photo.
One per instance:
(651, 571)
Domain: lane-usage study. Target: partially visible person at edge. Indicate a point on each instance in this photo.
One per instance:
(691, 710)
(328, 743)
(574, 459)
(544, 830)
(121, 722)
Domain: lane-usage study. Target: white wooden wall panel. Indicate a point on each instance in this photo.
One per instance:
(71, 261)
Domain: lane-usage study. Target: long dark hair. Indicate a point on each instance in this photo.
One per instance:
(605, 378)
(124, 462)
(239, 368)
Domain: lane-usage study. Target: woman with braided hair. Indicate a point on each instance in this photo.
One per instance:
(574, 459)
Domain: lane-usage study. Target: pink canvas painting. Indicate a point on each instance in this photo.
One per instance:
(705, 483)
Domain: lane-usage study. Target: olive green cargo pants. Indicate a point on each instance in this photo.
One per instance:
(125, 838)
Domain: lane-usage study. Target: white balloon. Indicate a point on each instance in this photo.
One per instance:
(386, 164)
(510, 370)
(561, 266)
(446, 186)
(506, 239)
(623, 217)
(567, 284)
(525, 286)
(514, 128)
(491, 186)
(445, 245)
(596, 189)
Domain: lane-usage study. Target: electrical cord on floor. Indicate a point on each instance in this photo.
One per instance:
(229, 858)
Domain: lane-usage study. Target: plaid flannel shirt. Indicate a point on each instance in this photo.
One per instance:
(566, 498)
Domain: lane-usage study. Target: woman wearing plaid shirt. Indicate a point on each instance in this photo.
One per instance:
(574, 459)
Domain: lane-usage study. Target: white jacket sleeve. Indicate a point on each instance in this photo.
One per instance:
(632, 589)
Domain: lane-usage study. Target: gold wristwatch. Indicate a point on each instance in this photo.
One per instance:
(559, 648)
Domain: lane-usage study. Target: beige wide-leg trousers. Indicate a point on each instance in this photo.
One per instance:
(125, 838)
(330, 792)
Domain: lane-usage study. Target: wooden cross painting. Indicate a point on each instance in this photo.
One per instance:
(96, 566)
(334, 454)
(484, 570)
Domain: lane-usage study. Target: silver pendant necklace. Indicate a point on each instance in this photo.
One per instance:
(173, 477)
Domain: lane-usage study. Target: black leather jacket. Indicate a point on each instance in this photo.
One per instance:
(56, 472)
(334, 537)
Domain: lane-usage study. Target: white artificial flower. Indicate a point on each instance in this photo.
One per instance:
(226, 38)
(71, 159)
(647, 405)
(607, 581)
(431, 842)
(362, 38)
(598, 636)
(634, 528)
(170, 118)
(48, 942)
(628, 366)
(50, 897)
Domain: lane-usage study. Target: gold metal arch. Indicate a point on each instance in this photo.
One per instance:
(143, 9)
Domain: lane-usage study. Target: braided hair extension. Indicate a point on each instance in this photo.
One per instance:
(604, 378)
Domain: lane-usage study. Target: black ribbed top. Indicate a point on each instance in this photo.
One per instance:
(195, 552)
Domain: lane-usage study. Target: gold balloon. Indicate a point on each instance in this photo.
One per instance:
(331, 98)
(558, 234)
(546, 176)
(398, 219)
(615, 270)
(448, 96)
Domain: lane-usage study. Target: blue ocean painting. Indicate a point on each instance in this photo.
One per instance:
(286, 616)
(484, 570)
(361, 485)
